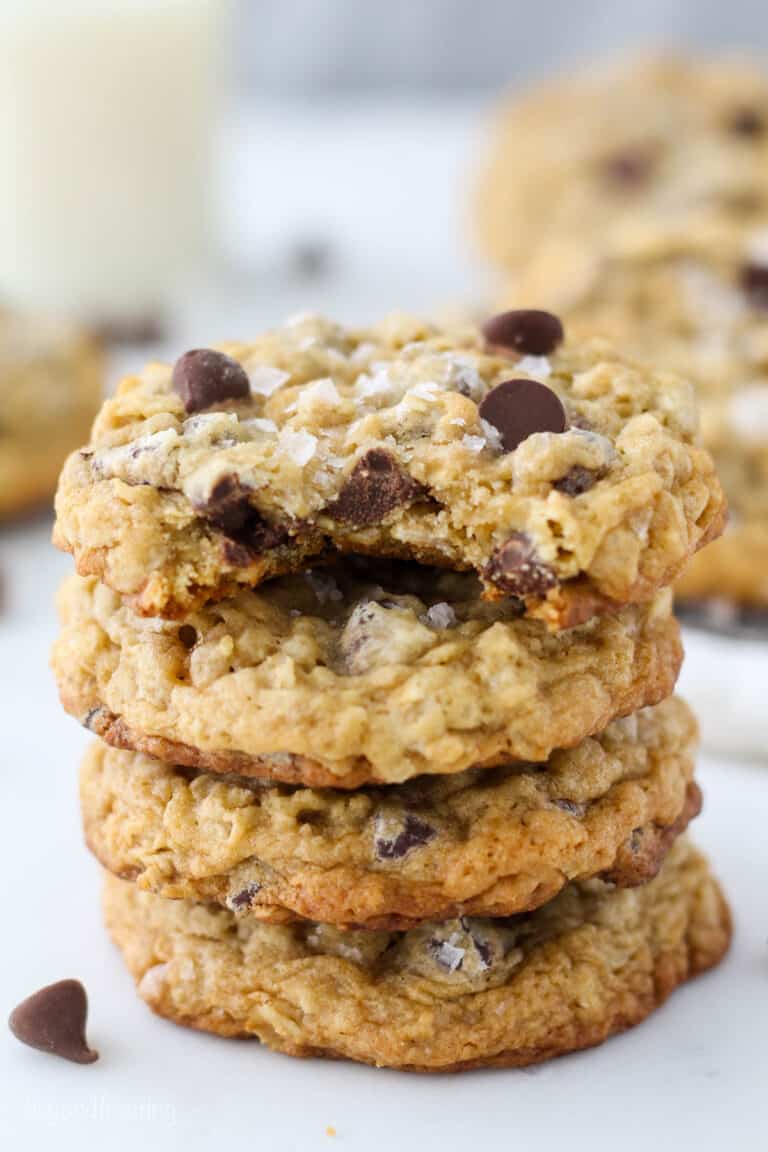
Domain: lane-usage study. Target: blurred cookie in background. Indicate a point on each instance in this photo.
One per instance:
(51, 379)
(668, 140)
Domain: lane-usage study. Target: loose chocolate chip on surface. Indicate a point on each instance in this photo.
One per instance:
(375, 487)
(53, 1020)
(415, 833)
(515, 568)
(576, 480)
(204, 377)
(747, 122)
(629, 169)
(529, 331)
(754, 283)
(518, 408)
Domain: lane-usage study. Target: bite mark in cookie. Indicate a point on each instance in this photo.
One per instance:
(516, 569)
(376, 486)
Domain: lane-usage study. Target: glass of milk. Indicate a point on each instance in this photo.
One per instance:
(107, 109)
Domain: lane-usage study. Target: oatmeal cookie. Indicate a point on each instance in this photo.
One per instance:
(486, 842)
(455, 994)
(662, 142)
(355, 674)
(562, 474)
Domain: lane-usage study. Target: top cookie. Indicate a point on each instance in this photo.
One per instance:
(564, 475)
(667, 140)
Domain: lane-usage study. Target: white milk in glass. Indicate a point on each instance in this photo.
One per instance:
(106, 115)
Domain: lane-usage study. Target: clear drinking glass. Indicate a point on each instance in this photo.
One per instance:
(107, 109)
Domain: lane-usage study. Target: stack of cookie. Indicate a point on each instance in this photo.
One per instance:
(375, 629)
(635, 202)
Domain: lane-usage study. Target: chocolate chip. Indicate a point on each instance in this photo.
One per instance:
(203, 378)
(53, 1020)
(629, 169)
(529, 331)
(188, 636)
(229, 509)
(747, 122)
(515, 568)
(414, 834)
(754, 283)
(375, 487)
(228, 506)
(483, 950)
(570, 806)
(576, 480)
(463, 948)
(518, 408)
(243, 899)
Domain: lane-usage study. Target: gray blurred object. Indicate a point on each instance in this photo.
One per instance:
(305, 48)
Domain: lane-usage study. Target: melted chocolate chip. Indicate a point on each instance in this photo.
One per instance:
(529, 331)
(518, 408)
(188, 636)
(515, 568)
(243, 899)
(754, 284)
(229, 509)
(53, 1020)
(375, 487)
(483, 950)
(747, 122)
(576, 481)
(203, 378)
(629, 169)
(414, 834)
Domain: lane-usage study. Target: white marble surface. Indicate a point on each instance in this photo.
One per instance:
(693, 1076)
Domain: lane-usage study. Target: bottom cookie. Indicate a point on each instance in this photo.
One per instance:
(444, 996)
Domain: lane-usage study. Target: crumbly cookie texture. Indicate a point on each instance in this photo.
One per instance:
(576, 486)
(595, 156)
(355, 674)
(694, 301)
(51, 379)
(488, 842)
(447, 995)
